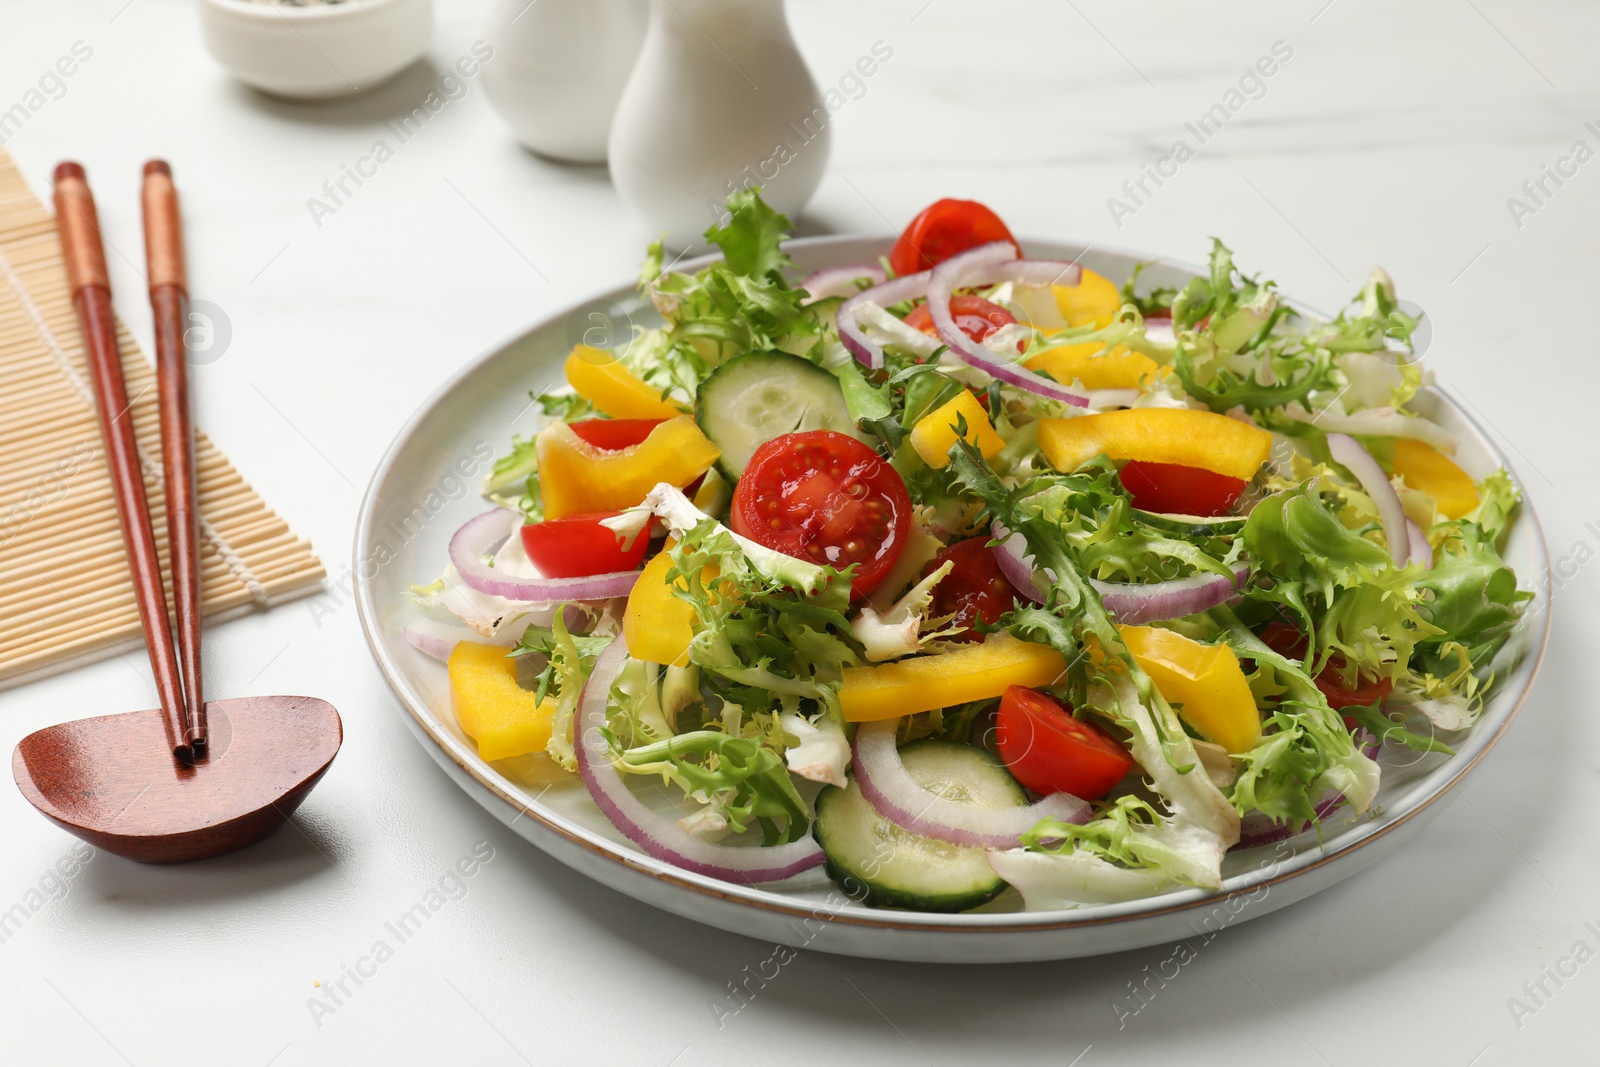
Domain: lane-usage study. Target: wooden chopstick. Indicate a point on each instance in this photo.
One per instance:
(169, 307)
(83, 251)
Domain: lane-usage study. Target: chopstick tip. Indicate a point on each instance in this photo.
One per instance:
(69, 169)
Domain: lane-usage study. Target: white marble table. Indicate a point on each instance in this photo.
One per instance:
(1393, 134)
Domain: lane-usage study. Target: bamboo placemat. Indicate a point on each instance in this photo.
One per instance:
(65, 596)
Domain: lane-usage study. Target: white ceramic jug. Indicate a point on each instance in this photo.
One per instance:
(720, 98)
(558, 70)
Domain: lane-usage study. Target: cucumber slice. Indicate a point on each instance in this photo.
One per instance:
(1192, 525)
(755, 397)
(880, 864)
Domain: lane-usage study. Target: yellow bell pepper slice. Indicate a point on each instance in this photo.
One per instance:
(1426, 468)
(576, 478)
(1096, 368)
(601, 379)
(656, 624)
(935, 433)
(1094, 300)
(1181, 436)
(973, 672)
(503, 718)
(1204, 684)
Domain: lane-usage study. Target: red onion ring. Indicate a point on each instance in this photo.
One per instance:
(478, 536)
(1348, 451)
(1134, 604)
(1131, 604)
(1158, 329)
(658, 836)
(974, 268)
(898, 797)
(438, 639)
(1011, 553)
(1421, 551)
(839, 281)
(1034, 273)
(861, 346)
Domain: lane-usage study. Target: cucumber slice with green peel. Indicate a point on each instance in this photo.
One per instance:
(1192, 525)
(755, 397)
(878, 863)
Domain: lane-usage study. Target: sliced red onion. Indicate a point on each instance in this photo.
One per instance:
(1131, 604)
(898, 797)
(1034, 273)
(475, 540)
(1134, 604)
(1348, 451)
(439, 639)
(1421, 551)
(1012, 555)
(861, 346)
(658, 836)
(839, 281)
(974, 268)
(1258, 828)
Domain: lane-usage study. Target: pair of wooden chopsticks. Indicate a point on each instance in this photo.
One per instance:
(177, 682)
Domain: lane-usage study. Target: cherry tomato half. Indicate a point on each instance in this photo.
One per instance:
(1288, 641)
(577, 546)
(946, 228)
(1174, 489)
(975, 316)
(1048, 750)
(614, 434)
(826, 498)
(974, 589)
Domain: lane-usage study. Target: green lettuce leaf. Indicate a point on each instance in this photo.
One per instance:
(739, 778)
(1183, 843)
(737, 304)
(751, 239)
(1348, 596)
(1473, 599)
(568, 659)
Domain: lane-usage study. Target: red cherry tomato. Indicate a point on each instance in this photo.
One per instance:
(826, 498)
(614, 434)
(946, 228)
(577, 546)
(974, 589)
(975, 316)
(1048, 750)
(1287, 641)
(1178, 490)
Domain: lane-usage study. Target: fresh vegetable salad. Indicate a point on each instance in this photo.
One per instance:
(963, 569)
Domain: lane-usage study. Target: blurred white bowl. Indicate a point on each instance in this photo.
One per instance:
(318, 51)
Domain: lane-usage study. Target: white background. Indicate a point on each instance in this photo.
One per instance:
(1394, 135)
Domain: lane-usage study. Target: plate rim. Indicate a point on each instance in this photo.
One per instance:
(629, 858)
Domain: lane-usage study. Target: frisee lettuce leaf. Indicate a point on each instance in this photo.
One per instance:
(761, 641)
(739, 778)
(735, 305)
(1186, 842)
(1349, 597)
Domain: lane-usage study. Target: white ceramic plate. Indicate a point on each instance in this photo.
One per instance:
(426, 487)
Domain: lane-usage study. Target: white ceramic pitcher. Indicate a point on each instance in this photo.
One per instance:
(558, 70)
(720, 98)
